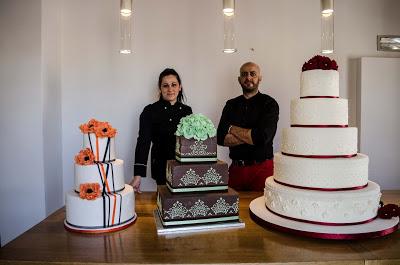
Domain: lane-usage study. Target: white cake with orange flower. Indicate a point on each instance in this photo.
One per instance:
(100, 201)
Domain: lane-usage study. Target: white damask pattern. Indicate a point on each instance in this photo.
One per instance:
(212, 176)
(198, 149)
(200, 209)
(190, 178)
(177, 210)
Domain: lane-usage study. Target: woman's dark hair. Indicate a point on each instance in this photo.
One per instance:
(170, 71)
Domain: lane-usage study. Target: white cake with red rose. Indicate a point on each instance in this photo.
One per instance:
(100, 201)
(319, 175)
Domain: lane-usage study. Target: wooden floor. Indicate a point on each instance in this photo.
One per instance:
(49, 243)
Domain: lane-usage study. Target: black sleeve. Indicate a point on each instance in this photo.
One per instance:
(266, 129)
(143, 143)
(223, 125)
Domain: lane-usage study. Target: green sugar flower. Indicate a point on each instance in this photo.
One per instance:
(196, 126)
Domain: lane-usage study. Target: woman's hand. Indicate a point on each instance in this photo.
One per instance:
(135, 183)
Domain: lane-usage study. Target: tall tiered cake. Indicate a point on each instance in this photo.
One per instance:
(196, 188)
(319, 176)
(100, 201)
(320, 186)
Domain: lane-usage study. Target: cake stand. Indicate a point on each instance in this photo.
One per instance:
(87, 230)
(165, 230)
(376, 228)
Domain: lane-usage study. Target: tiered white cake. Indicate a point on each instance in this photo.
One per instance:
(319, 176)
(101, 201)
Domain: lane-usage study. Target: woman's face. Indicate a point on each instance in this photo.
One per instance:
(170, 88)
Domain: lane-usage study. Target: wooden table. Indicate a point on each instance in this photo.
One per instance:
(49, 243)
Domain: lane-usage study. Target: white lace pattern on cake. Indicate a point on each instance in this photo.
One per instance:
(177, 210)
(333, 207)
(200, 209)
(198, 149)
(212, 176)
(190, 178)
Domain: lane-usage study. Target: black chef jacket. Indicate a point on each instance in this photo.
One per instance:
(259, 113)
(158, 123)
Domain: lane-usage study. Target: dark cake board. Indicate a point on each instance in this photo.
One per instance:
(377, 228)
(164, 230)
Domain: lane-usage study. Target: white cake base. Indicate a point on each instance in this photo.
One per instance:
(115, 228)
(377, 228)
(162, 230)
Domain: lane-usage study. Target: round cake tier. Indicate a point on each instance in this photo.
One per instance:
(319, 142)
(106, 211)
(327, 207)
(319, 111)
(335, 173)
(314, 83)
(102, 148)
(111, 173)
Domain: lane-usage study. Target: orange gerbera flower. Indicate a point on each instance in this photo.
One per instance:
(89, 191)
(104, 129)
(85, 157)
(89, 127)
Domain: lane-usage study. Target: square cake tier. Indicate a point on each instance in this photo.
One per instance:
(189, 177)
(191, 150)
(197, 208)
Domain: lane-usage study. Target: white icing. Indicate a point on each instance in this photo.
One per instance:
(319, 83)
(321, 173)
(319, 111)
(319, 141)
(102, 143)
(322, 206)
(89, 213)
(91, 174)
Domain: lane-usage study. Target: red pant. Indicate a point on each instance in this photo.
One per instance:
(250, 178)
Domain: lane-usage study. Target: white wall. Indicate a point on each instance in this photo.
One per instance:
(91, 79)
(22, 197)
(52, 122)
(379, 119)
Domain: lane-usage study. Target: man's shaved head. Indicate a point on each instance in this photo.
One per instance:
(250, 64)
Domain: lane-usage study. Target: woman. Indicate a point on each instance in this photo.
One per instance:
(158, 123)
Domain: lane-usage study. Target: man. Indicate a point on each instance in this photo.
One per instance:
(248, 126)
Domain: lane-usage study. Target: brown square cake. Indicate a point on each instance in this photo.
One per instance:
(196, 208)
(191, 150)
(188, 177)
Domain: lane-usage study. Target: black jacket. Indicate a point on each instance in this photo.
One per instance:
(158, 123)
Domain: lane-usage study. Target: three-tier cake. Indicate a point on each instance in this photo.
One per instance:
(101, 201)
(196, 189)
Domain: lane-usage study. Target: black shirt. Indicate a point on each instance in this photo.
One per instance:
(158, 123)
(259, 113)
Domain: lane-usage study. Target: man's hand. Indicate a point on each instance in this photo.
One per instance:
(242, 134)
(231, 140)
(135, 183)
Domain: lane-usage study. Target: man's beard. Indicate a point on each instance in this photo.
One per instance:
(251, 89)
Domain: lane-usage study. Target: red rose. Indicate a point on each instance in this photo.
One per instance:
(388, 211)
(320, 62)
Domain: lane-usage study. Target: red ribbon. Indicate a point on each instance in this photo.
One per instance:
(320, 97)
(320, 156)
(319, 126)
(320, 223)
(321, 189)
(264, 223)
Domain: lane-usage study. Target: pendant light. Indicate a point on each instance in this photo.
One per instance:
(125, 22)
(327, 32)
(229, 29)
